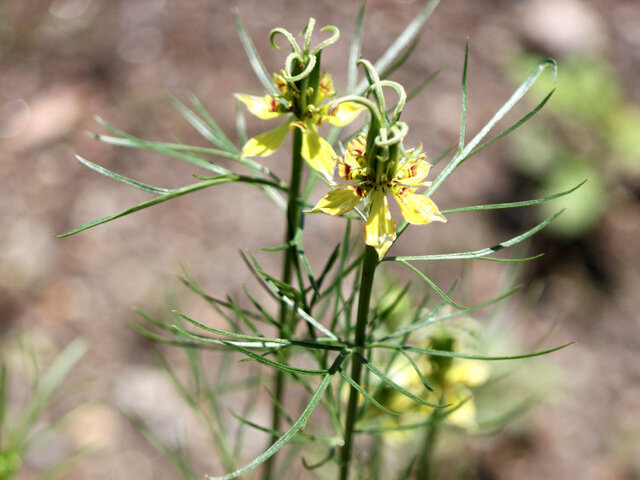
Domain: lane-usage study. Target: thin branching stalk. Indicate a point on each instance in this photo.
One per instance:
(293, 221)
(370, 263)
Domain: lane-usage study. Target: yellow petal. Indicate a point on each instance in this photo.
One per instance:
(265, 144)
(380, 230)
(465, 415)
(325, 88)
(413, 173)
(318, 152)
(343, 114)
(337, 202)
(470, 373)
(262, 107)
(417, 209)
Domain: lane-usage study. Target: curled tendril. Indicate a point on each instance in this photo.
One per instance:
(335, 35)
(396, 134)
(411, 153)
(308, 30)
(374, 82)
(288, 66)
(365, 102)
(287, 35)
(402, 98)
(307, 69)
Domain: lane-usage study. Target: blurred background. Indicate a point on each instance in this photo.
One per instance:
(64, 61)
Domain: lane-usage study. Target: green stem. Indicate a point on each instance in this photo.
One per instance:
(370, 263)
(285, 325)
(424, 470)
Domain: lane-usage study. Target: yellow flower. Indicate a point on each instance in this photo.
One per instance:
(401, 179)
(304, 113)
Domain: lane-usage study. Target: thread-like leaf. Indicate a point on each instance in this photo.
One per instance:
(354, 49)
(480, 253)
(47, 384)
(525, 203)
(433, 318)
(403, 40)
(178, 192)
(373, 369)
(468, 356)
(366, 395)
(254, 58)
(429, 282)
(463, 110)
(122, 178)
(499, 115)
(288, 436)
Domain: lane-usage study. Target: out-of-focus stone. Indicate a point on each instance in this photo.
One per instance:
(563, 27)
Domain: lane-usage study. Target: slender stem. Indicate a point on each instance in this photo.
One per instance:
(424, 471)
(370, 263)
(285, 325)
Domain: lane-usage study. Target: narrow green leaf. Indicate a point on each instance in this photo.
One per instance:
(525, 203)
(469, 356)
(121, 178)
(512, 127)
(354, 49)
(400, 61)
(417, 370)
(430, 282)
(231, 334)
(484, 251)
(288, 436)
(210, 133)
(178, 192)
(213, 126)
(433, 318)
(515, 98)
(178, 462)
(47, 384)
(320, 463)
(463, 113)
(273, 363)
(219, 341)
(416, 91)
(366, 395)
(160, 147)
(511, 260)
(189, 282)
(241, 124)
(254, 58)
(3, 397)
(373, 369)
(302, 436)
(404, 39)
(126, 143)
(266, 316)
(290, 303)
(437, 417)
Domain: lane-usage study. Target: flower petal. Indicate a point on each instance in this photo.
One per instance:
(262, 107)
(337, 202)
(265, 144)
(413, 173)
(465, 415)
(343, 114)
(325, 88)
(380, 229)
(317, 152)
(417, 209)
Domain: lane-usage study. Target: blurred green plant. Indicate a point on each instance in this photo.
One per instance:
(22, 430)
(590, 131)
(331, 339)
